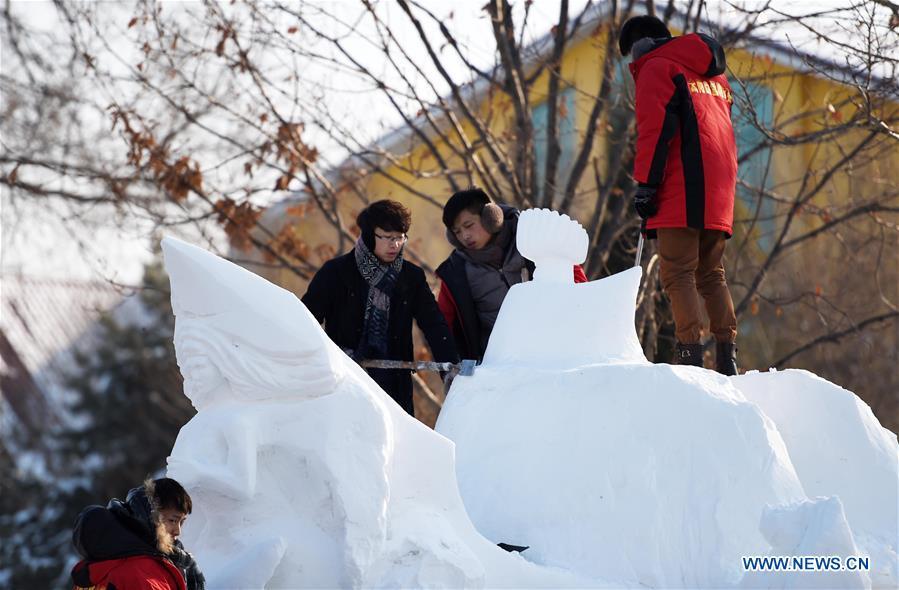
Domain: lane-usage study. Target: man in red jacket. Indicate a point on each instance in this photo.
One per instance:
(686, 167)
(133, 545)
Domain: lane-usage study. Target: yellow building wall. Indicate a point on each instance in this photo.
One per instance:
(803, 103)
(794, 93)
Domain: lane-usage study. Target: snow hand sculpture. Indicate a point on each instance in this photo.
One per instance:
(554, 242)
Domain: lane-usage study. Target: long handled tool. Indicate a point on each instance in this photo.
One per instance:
(465, 368)
(640, 244)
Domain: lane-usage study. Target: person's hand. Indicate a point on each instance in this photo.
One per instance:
(645, 203)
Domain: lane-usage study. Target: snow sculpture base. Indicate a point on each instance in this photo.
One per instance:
(650, 475)
(567, 440)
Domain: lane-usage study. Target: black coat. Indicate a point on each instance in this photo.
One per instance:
(336, 297)
(467, 327)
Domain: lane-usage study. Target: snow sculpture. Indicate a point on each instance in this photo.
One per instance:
(569, 441)
(553, 242)
(649, 474)
(303, 472)
(538, 315)
(618, 473)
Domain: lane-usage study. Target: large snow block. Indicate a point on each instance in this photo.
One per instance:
(812, 541)
(649, 475)
(838, 448)
(564, 326)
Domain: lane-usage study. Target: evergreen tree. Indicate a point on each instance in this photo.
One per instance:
(130, 395)
(127, 411)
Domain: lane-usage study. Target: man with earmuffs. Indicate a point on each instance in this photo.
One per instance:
(483, 267)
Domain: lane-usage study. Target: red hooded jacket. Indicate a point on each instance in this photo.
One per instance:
(141, 572)
(119, 551)
(685, 139)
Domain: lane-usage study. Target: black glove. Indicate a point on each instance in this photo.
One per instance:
(645, 203)
(185, 562)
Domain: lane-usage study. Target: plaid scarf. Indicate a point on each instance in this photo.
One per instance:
(381, 281)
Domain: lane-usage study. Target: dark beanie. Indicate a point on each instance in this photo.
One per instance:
(639, 27)
(461, 201)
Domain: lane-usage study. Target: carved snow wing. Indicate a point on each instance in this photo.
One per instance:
(238, 337)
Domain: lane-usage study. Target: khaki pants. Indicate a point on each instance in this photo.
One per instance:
(691, 265)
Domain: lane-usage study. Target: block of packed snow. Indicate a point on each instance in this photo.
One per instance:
(303, 472)
(563, 326)
(651, 475)
(838, 449)
(812, 546)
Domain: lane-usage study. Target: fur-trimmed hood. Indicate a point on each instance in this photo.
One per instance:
(123, 528)
(141, 502)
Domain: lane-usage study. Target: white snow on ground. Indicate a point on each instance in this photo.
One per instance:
(616, 472)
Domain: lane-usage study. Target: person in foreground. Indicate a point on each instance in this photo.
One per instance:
(686, 168)
(483, 267)
(133, 544)
(367, 300)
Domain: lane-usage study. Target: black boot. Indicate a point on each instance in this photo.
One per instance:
(688, 354)
(726, 358)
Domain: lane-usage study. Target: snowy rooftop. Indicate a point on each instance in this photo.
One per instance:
(42, 318)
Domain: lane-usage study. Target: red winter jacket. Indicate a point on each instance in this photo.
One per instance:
(141, 572)
(119, 547)
(685, 139)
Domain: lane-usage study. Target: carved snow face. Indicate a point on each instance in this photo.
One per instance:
(203, 381)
